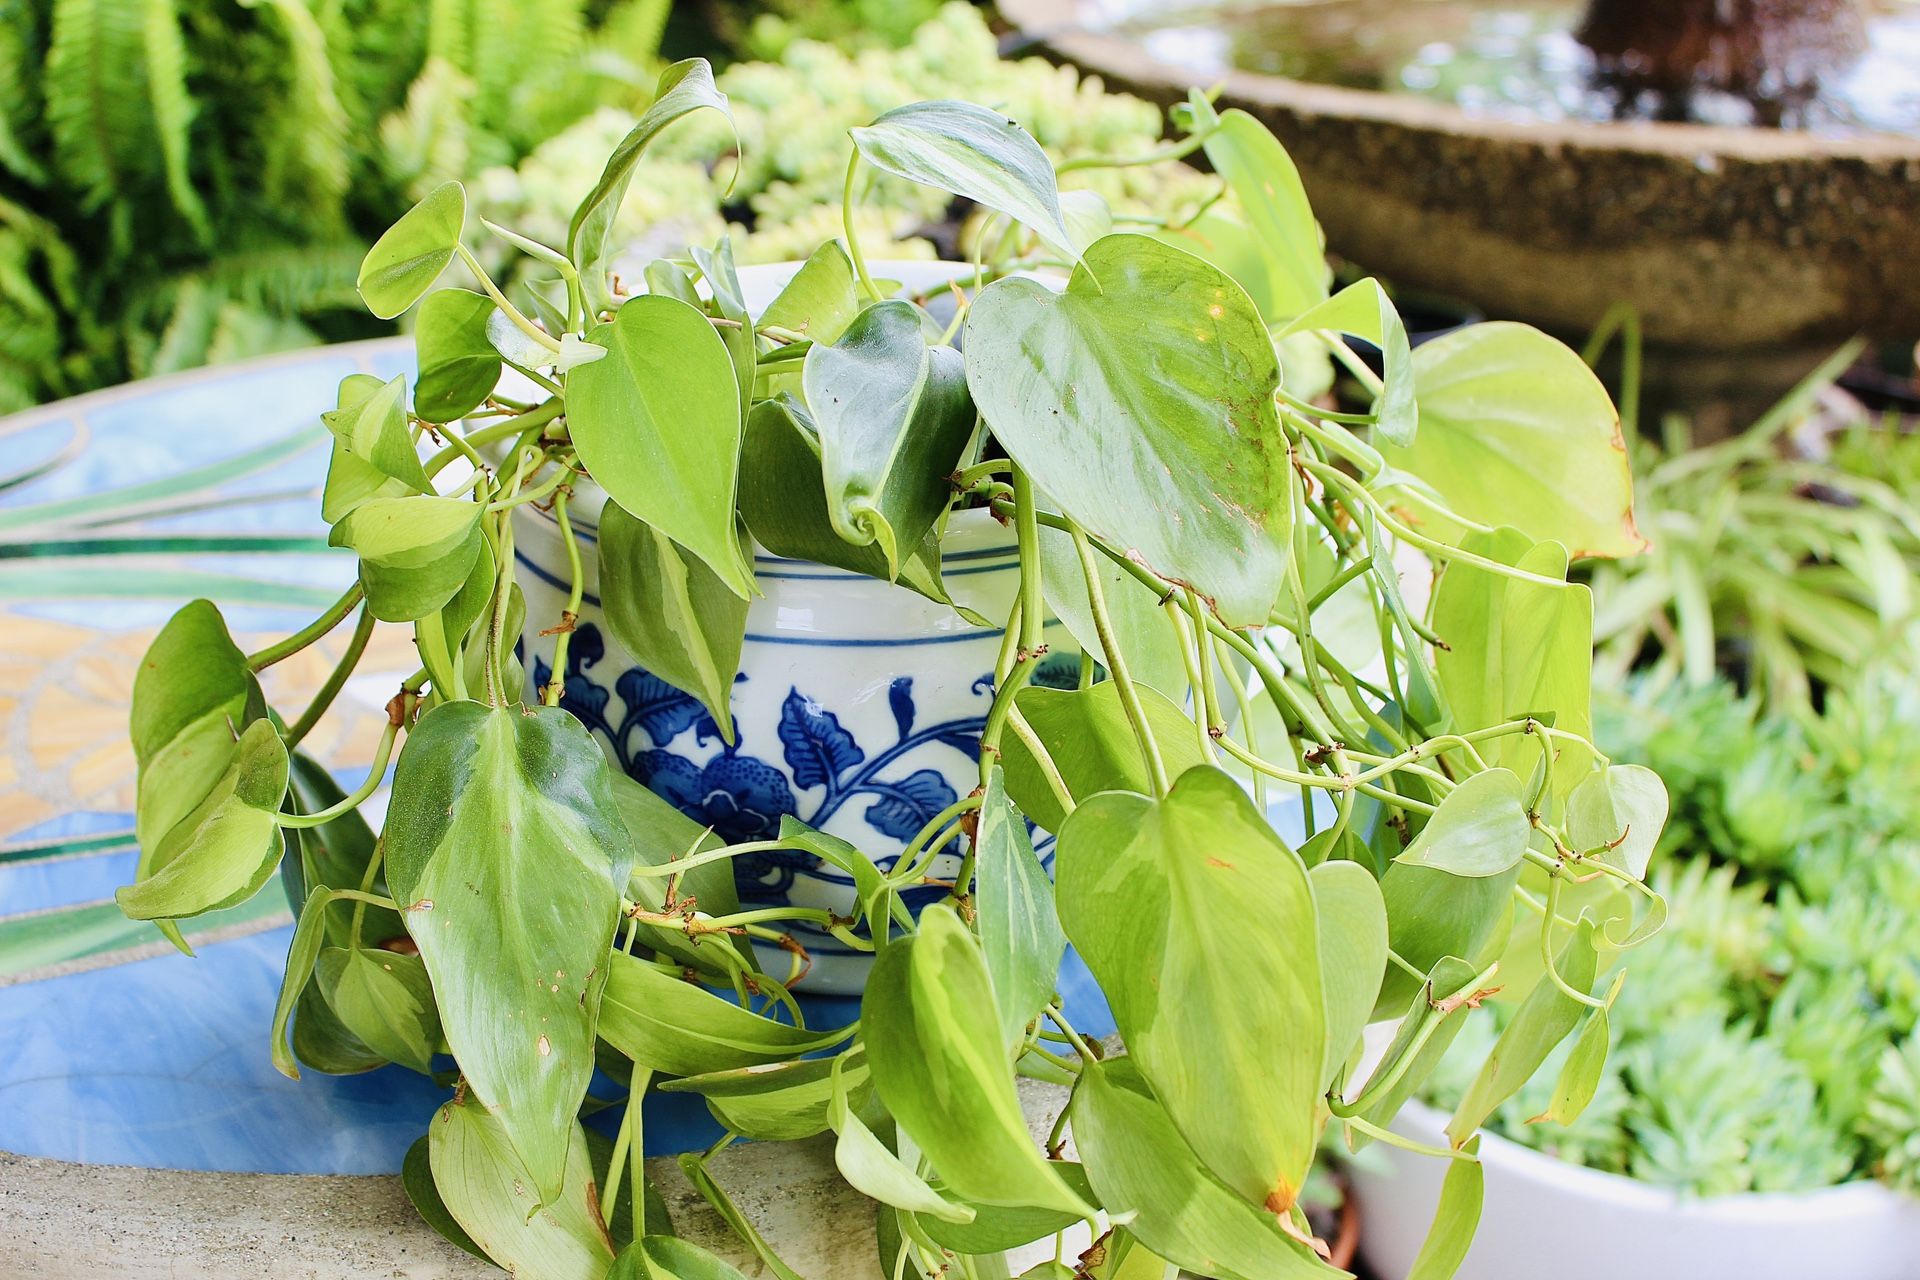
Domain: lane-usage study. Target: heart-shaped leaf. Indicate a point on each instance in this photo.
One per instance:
(504, 843)
(684, 87)
(1480, 829)
(406, 260)
(658, 425)
(873, 1170)
(351, 479)
(385, 999)
(373, 429)
(1516, 430)
(1433, 914)
(1019, 932)
(1352, 920)
(1141, 401)
(1086, 733)
(458, 364)
(820, 301)
(972, 152)
(893, 416)
(415, 552)
(1144, 886)
(781, 1101)
(942, 1069)
(1146, 1173)
(1619, 810)
(662, 1021)
(1364, 310)
(1267, 187)
(671, 612)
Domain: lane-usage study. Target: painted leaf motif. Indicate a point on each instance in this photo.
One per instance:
(657, 423)
(934, 1047)
(458, 365)
(1621, 810)
(910, 803)
(663, 710)
(818, 750)
(1480, 829)
(1019, 932)
(900, 702)
(505, 844)
(1085, 731)
(406, 260)
(1143, 888)
(972, 152)
(1516, 430)
(1142, 403)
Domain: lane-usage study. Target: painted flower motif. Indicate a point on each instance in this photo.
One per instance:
(740, 797)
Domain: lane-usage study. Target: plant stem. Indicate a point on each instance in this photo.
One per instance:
(334, 615)
(1117, 665)
(557, 685)
(375, 776)
(1042, 757)
(853, 240)
(356, 646)
(520, 322)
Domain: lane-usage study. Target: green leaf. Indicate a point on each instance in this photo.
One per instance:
(662, 1021)
(730, 304)
(996, 1228)
(1480, 829)
(439, 635)
(406, 260)
(1455, 1219)
(871, 1169)
(869, 883)
(820, 301)
(336, 854)
(1352, 922)
(515, 345)
(415, 552)
(893, 417)
(670, 612)
(658, 425)
(1433, 914)
(323, 1043)
(351, 479)
(458, 365)
(1364, 310)
(972, 152)
(661, 833)
(373, 428)
(485, 1186)
(1543, 1020)
(1019, 933)
(783, 499)
(1145, 1172)
(386, 1000)
(1516, 430)
(1438, 1011)
(941, 1067)
(226, 847)
(1579, 1076)
(684, 87)
(1143, 405)
(1268, 189)
(1086, 733)
(670, 1258)
(504, 843)
(1149, 892)
(416, 1179)
(780, 1101)
(1620, 810)
(302, 954)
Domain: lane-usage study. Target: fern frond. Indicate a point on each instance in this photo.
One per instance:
(98, 108)
(428, 140)
(21, 32)
(519, 50)
(173, 110)
(303, 136)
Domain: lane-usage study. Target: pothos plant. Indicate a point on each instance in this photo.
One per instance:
(1229, 555)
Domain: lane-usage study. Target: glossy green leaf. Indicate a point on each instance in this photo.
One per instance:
(1019, 932)
(458, 365)
(1516, 430)
(1364, 310)
(779, 1101)
(893, 416)
(1148, 892)
(488, 1190)
(385, 999)
(321, 1041)
(820, 301)
(1579, 1077)
(663, 1257)
(415, 552)
(940, 1065)
(783, 499)
(1543, 1020)
(1086, 733)
(1267, 187)
(662, 1021)
(406, 260)
(1142, 403)
(684, 87)
(671, 279)
(1620, 810)
(1352, 924)
(351, 479)
(873, 1170)
(1134, 612)
(504, 843)
(1517, 648)
(416, 1179)
(439, 635)
(670, 612)
(226, 847)
(1432, 914)
(658, 425)
(729, 303)
(972, 152)
(1144, 1171)
(373, 428)
(335, 854)
(1455, 1219)
(995, 1228)
(1480, 829)
(303, 952)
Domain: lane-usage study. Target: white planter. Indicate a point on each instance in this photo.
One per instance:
(889, 689)
(1545, 1218)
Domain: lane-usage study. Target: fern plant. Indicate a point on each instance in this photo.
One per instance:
(181, 182)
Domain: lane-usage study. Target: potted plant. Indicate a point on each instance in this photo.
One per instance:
(1220, 551)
